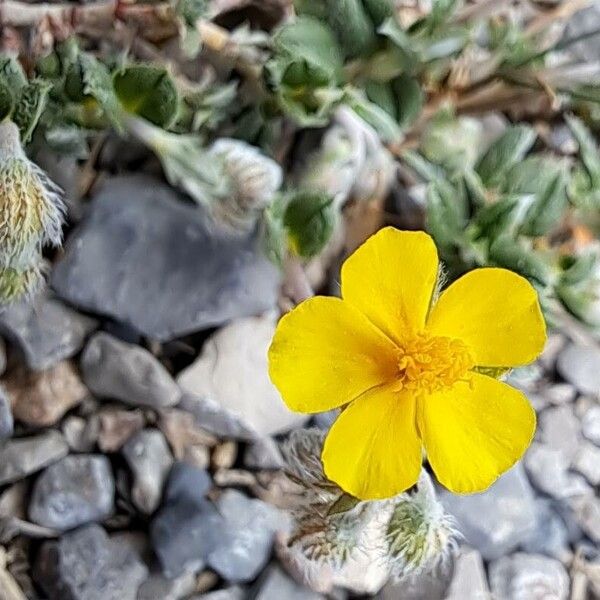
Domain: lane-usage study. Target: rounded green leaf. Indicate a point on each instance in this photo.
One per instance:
(149, 92)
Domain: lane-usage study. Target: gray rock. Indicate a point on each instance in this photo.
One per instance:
(212, 417)
(561, 393)
(263, 454)
(6, 416)
(231, 593)
(560, 429)
(276, 585)
(548, 467)
(247, 537)
(586, 512)
(188, 527)
(146, 256)
(497, 520)
(469, 580)
(590, 424)
(78, 489)
(45, 330)
(587, 462)
(528, 576)
(427, 585)
(159, 587)
(551, 536)
(586, 50)
(232, 370)
(150, 460)
(580, 365)
(115, 369)
(22, 457)
(86, 565)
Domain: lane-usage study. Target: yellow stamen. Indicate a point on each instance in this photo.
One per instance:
(427, 363)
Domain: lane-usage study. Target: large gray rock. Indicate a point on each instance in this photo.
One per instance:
(77, 490)
(115, 369)
(6, 416)
(590, 424)
(150, 460)
(276, 585)
(86, 565)
(497, 520)
(24, 456)
(559, 428)
(146, 256)
(580, 365)
(524, 576)
(468, 580)
(45, 330)
(232, 370)
(247, 536)
(188, 527)
(551, 536)
(159, 587)
(548, 469)
(430, 584)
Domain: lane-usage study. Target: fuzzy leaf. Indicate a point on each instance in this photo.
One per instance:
(97, 83)
(577, 269)
(445, 214)
(345, 503)
(7, 101)
(548, 208)
(386, 126)
(30, 106)
(149, 92)
(508, 253)
(309, 219)
(507, 151)
(588, 149)
(410, 98)
(12, 74)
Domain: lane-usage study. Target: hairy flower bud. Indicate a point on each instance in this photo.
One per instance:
(419, 533)
(30, 205)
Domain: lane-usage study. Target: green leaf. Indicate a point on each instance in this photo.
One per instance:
(379, 10)
(410, 99)
(12, 74)
(274, 233)
(548, 208)
(495, 372)
(406, 45)
(309, 219)
(97, 83)
(149, 92)
(577, 269)
(588, 149)
(7, 101)
(505, 152)
(353, 27)
(345, 503)
(306, 53)
(30, 106)
(386, 126)
(508, 253)
(446, 213)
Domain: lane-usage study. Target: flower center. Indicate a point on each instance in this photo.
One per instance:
(427, 363)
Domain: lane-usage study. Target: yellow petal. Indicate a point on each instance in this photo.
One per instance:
(325, 353)
(372, 450)
(391, 278)
(496, 313)
(475, 431)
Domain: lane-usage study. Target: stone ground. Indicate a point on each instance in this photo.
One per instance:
(140, 432)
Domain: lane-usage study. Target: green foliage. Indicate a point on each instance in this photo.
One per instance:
(309, 220)
(149, 92)
(501, 213)
(29, 107)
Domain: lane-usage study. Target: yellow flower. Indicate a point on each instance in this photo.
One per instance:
(407, 369)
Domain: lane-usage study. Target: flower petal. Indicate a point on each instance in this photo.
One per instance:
(496, 313)
(475, 431)
(325, 353)
(372, 450)
(391, 278)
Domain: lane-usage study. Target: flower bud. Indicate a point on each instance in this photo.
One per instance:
(419, 533)
(31, 210)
